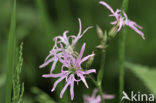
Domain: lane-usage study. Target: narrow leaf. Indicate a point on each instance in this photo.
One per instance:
(10, 55)
(146, 74)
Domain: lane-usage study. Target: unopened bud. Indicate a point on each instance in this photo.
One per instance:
(99, 32)
(105, 37)
(100, 46)
(90, 61)
(112, 33)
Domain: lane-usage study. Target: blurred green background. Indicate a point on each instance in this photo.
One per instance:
(38, 21)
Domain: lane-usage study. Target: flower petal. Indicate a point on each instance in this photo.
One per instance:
(107, 6)
(89, 71)
(53, 65)
(59, 80)
(94, 93)
(46, 63)
(108, 96)
(53, 75)
(80, 55)
(132, 25)
(82, 78)
(85, 58)
(67, 84)
(72, 90)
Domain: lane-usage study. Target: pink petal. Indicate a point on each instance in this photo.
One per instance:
(72, 90)
(65, 36)
(106, 96)
(89, 71)
(83, 79)
(79, 34)
(53, 75)
(67, 84)
(46, 63)
(53, 66)
(56, 83)
(132, 25)
(86, 30)
(80, 55)
(107, 6)
(94, 93)
(85, 58)
(114, 22)
(64, 53)
(120, 24)
(48, 56)
(98, 99)
(64, 89)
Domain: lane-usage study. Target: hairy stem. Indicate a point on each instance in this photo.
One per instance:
(121, 54)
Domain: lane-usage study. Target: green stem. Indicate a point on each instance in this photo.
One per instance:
(10, 55)
(101, 93)
(121, 63)
(100, 76)
(99, 88)
(121, 54)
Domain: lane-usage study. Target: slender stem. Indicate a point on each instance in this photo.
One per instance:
(121, 63)
(121, 54)
(101, 93)
(100, 76)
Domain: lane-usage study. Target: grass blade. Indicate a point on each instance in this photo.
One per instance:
(10, 55)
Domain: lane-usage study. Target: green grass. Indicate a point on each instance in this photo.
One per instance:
(10, 55)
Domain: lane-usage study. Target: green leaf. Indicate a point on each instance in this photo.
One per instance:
(41, 97)
(2, 79)
(10, 55)
(146, 74)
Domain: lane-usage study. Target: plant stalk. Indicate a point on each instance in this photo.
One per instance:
(100, 76)
(121, 54)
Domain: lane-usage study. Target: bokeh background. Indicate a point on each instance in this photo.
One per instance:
(38, 21)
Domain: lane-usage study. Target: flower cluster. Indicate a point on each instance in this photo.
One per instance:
(96, 98)
(122, 20)
(71, 70)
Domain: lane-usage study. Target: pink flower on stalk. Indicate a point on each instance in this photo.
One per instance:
(96, 98)
(74, 68)
(122, 20)
(69, 47)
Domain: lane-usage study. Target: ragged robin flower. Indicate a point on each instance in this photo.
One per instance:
(69, 46)
(122, 20)
(71, 70)
(94, 98)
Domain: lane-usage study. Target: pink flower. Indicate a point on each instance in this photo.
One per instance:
(69, 47)
(122, 20)
(96, 98)
(73, 69)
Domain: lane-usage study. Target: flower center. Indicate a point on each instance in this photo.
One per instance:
(73, 70)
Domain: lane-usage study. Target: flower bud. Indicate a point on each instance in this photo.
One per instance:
(90, 61)
(105, 37)
(100, 46)
(99, 32)
(112, 33)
